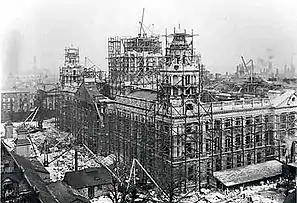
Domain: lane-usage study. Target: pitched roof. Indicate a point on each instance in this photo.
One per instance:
(91, 93)
(22, 142)
(249, 173)
(144, 94)
(13, 91)
(71, 89)
(34, 179)
(64, 193)
(93, 90)
(88, 177)
(32, 164)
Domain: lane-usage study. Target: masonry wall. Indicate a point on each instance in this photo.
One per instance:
(237, 141)
(169, 149)
(131, 135)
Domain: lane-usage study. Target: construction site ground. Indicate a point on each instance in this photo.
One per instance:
(60, 150)
(61, 160)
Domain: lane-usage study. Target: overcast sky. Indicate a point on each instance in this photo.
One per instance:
(227, 29)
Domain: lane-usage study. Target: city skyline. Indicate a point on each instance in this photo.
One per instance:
(226, 29)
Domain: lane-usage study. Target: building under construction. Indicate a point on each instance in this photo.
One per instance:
(150, 108)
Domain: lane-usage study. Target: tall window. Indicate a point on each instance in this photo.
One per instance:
(248, 141)
(217, 124)
(207, 146)
(175, 79)
(259, 157)
(237, 141)
(239, 160)
(207, 125)
(218, 164)
(229, 162)
(217, 144)
(191, 174)
(283, 121)
(228, 146)
(238, 121)
(258, 139)
(249, 158)
(175, 91)
(187, 80)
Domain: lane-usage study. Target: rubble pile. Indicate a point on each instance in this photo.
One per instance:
(61, 152)
(267, 192)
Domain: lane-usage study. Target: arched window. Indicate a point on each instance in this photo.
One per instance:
(175, 91)
(175, 79)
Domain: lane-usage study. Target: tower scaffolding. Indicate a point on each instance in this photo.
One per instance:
(179, 91)
(164, 129)
(133, 62)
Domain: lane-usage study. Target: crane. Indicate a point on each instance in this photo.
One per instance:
(245, 65)
(143, 28)
(141, 24)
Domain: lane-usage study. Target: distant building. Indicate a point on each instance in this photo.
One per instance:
(16, 104)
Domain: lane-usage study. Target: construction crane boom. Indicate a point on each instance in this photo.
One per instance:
(29, 116)
(245, 65)
(141, 24)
